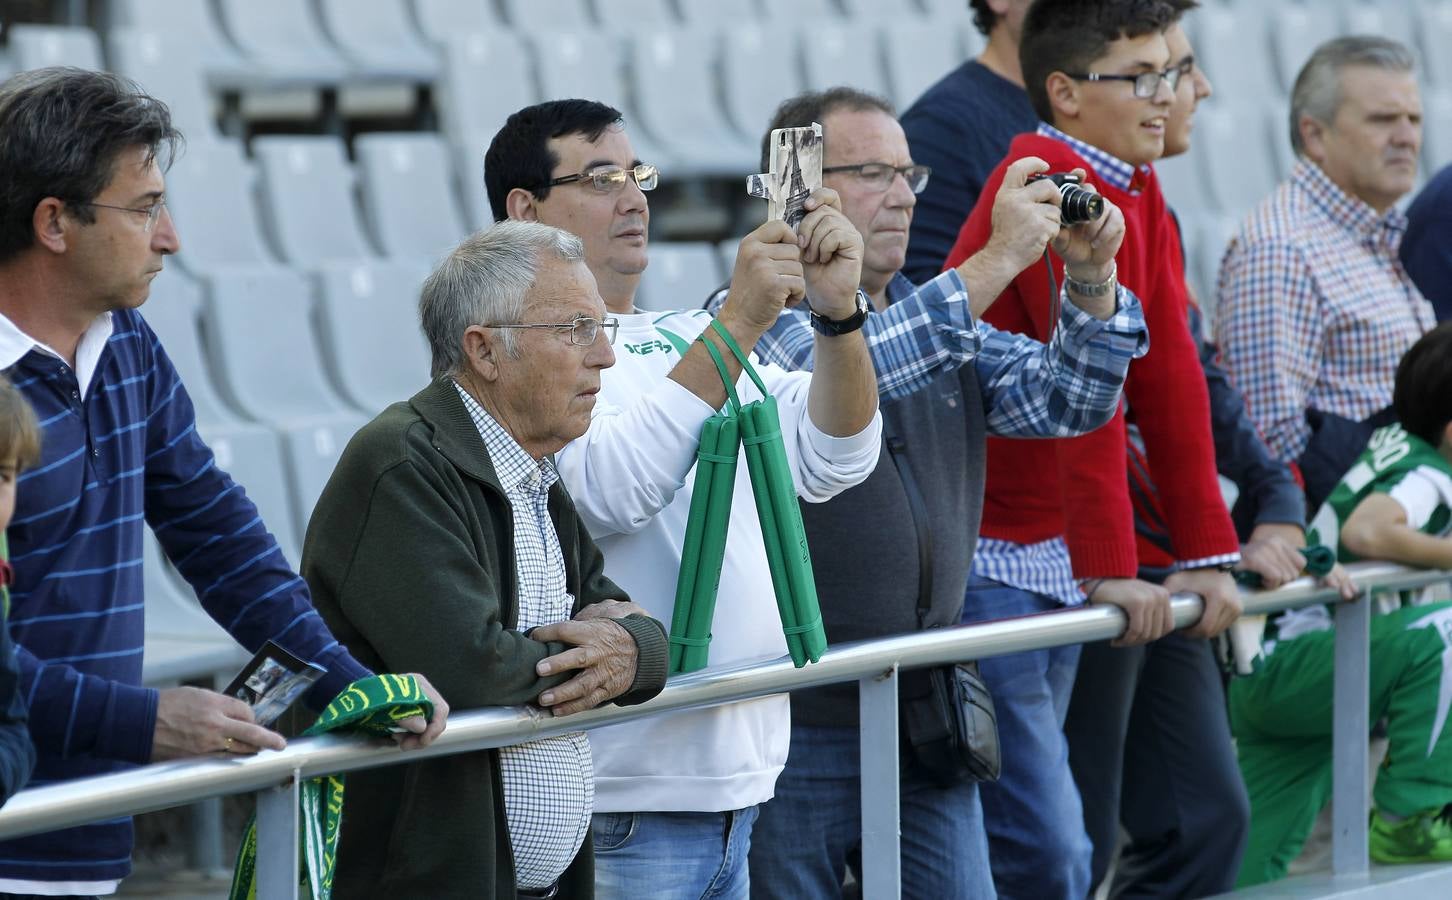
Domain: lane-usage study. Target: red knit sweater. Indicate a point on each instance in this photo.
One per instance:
(1077, 487)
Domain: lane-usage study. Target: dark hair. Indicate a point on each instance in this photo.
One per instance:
(520, 156)
(814, 106)
(1180, 7)
(19, 431)
(1070, 35)
(1422, 397)
(61, 132)
(984, 18)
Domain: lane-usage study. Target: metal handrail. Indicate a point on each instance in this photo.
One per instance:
(180, 782)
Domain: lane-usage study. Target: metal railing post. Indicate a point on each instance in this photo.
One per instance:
(1351, 732)
(278, 825)
(881, 818)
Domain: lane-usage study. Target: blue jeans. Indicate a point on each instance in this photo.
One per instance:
(811, 829)
(1036, 835)
(672, 855)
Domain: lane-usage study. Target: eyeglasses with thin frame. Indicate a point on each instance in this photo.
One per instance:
(584, 330)
(609, 180)
(879, 176)
(152, 212)
(1146, 84)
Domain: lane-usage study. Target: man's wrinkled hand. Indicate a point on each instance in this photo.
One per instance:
(191, 721)
(831, 255)
(1146, 605)
(603, 653)
(1025, 216)
(1221, 596)
(421, 731)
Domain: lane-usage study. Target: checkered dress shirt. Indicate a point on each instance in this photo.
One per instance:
(549, 784)
(1315, 308)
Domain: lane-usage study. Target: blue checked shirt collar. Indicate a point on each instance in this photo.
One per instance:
(1107, 166)
(1383, 232)
(517, 470)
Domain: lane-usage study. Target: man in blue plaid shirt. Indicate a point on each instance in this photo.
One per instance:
(946, 381)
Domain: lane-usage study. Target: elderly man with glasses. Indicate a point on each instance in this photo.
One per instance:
(676, 795)
(946, 381)
(445, 539)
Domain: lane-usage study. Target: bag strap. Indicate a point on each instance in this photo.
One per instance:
(897, 449)
(740, 355)
(733, 401)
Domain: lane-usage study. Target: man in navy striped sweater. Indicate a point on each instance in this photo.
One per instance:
(83, 231)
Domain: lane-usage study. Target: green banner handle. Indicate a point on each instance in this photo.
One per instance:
(704, 546)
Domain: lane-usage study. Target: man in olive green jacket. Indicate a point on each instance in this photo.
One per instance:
(444, 544)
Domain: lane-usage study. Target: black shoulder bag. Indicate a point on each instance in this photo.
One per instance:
(948, 724)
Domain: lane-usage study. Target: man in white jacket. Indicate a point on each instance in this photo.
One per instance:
(676, 795)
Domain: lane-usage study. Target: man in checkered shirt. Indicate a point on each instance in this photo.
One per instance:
(1314, 307)
(446, 538)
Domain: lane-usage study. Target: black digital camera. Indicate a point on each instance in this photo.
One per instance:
(1076, 205)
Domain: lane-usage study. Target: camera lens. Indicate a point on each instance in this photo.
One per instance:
(1078, 206)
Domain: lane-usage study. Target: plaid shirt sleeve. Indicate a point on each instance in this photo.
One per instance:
(912, 342)
(1271, 338)
(1069, 386)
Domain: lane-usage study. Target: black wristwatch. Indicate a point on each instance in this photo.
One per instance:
(843, 326)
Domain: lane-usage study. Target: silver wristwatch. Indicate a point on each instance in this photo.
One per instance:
(1093, 289)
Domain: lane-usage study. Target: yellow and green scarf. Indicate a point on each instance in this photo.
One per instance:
(368, 706)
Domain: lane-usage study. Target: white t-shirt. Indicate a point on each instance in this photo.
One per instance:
(631, 477)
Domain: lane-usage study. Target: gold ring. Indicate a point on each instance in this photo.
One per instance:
(227, 745)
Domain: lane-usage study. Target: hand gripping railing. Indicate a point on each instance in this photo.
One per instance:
(875, 664)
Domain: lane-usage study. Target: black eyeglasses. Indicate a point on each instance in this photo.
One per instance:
(152, 212)
(879, 176)
(1146, 84)
(584, 330)
(608, 181)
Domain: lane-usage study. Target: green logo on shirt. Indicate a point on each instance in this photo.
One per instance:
(646, 348)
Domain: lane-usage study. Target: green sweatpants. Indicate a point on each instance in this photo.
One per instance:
(1281, 717)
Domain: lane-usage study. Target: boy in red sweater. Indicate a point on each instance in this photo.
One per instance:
(1099, 74)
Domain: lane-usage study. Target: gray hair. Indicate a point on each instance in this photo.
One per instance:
(483, 281)
(1317, 92)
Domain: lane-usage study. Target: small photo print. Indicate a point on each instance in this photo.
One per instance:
(272, 681)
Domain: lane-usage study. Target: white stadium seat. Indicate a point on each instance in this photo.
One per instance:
(39, 46)
(680, 276)
(532, 16)
(368, 330)
(209, 193)
(443, 20)
(379, 40)
(408, 193)
(308, 203)
(834, 54)
(753, 77)
(670, 71)
(171, 71)
(916, 55)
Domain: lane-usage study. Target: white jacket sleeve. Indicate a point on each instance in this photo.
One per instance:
(822, 466)
(633, 459)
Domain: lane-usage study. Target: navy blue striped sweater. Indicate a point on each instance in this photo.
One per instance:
(129, 452)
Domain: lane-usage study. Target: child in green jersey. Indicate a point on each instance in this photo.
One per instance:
(19, 448)
(1394, 504)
